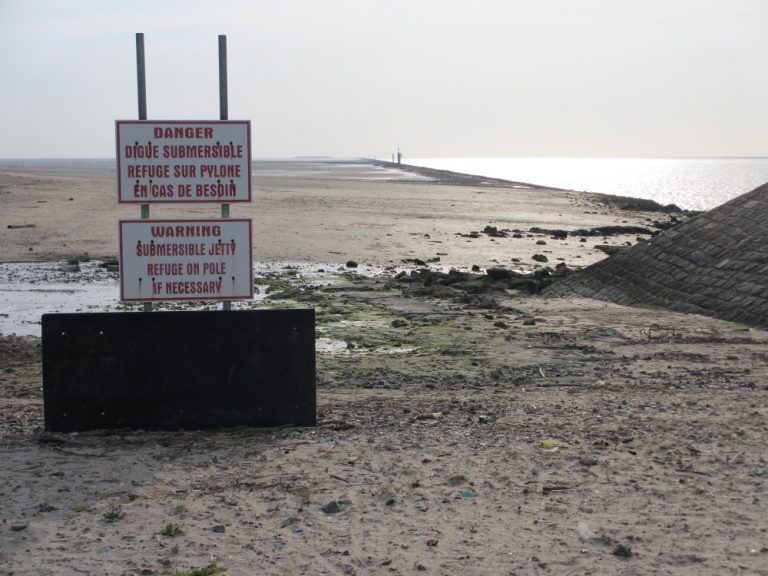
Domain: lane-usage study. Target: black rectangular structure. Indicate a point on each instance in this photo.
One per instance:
(179, 370)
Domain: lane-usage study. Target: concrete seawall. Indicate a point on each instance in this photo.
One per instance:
(715, 264)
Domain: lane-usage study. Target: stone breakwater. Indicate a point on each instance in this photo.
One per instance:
(715, 264)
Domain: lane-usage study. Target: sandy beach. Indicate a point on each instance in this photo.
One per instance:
(308, 212)
(465, 426)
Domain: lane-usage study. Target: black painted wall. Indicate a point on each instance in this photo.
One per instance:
(179, 370)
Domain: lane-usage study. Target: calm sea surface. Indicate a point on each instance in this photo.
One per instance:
(691, 183)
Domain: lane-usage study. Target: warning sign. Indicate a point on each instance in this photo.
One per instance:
(183, 161)
(185, 260)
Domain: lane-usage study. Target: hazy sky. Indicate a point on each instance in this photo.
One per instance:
(359, 77)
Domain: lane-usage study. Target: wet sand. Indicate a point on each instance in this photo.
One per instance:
(309, 212)
(460, 431)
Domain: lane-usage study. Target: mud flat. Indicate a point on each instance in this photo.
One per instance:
(313, 212)
(465, 425)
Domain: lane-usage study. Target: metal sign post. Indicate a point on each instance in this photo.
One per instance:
(141, 82)
(223, 115)
(177, 161)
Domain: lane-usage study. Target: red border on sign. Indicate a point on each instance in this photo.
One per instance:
(188, 201)
(187, 221)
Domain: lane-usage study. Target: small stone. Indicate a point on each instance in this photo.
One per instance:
(540, 258)
(351, 264)
(497, 273)
(541, 242)
(332, 507)
(432, 542)
(587, 461)
(430, 416)
(390, 502)
(18, 527)
(494, 231)
(218, 528)
(529, 322)
(457, 480)
(623, 551)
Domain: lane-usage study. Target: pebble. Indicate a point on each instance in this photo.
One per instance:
(331, 507)
(623, 551)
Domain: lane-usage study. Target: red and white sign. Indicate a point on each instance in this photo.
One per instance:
(185, 260)
(183, 161)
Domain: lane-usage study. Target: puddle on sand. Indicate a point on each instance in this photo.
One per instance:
(332, 346)
(325, 345)
(30, 289)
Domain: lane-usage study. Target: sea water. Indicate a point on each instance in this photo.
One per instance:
(690, 183)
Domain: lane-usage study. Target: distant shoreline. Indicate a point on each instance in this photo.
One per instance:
(717, 185)
(368, 211)
(462, 179)
(438, 176)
